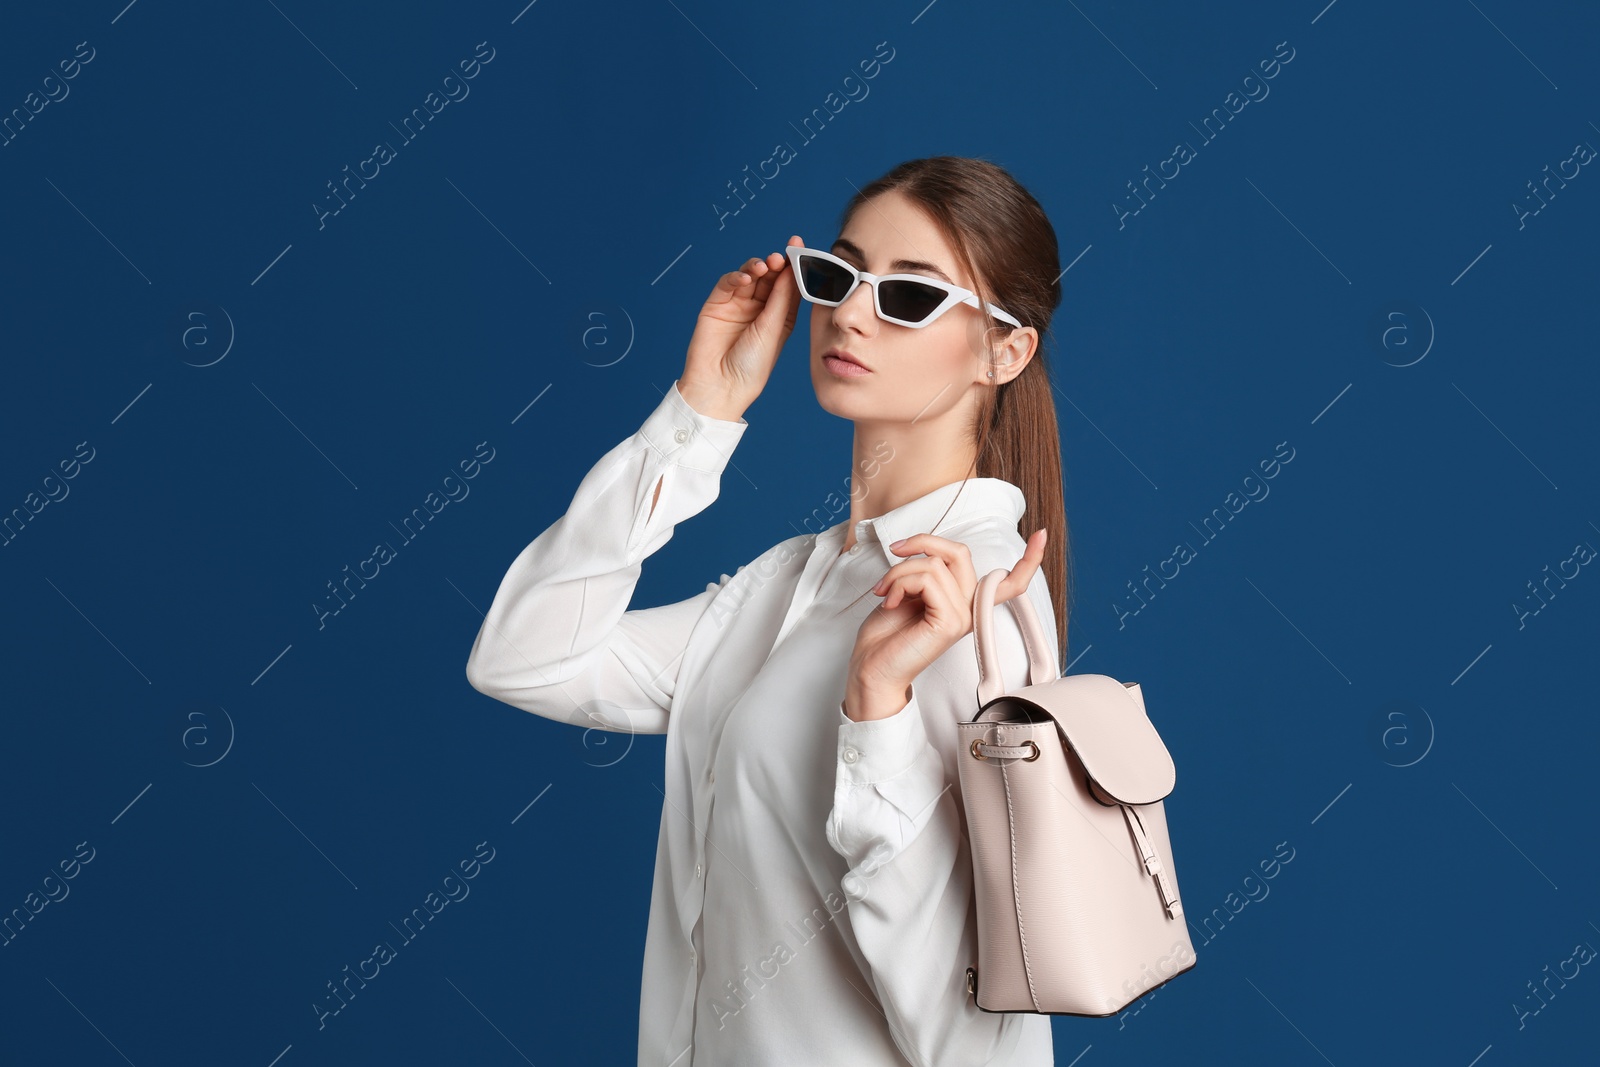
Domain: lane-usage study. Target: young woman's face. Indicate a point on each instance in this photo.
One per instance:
(911, 373)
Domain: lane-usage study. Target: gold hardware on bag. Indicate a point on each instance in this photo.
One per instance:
(976, 753)
(1030, 759)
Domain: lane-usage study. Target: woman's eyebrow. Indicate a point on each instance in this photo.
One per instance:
(914, 265)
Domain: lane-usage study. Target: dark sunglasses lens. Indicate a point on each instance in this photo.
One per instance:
(823, 280)
(911, 301)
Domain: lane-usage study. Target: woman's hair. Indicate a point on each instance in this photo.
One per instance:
(1006, 244)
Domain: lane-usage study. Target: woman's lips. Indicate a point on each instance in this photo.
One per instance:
(843, 367)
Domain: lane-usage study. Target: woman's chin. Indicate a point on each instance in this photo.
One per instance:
(838, 396)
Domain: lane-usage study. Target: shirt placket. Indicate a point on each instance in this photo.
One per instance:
(824, 563)
(824, 552)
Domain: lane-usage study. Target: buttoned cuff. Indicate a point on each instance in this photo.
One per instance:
(680, 433)
(888, 780)
(878, 749)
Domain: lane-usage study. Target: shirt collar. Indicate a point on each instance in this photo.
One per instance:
(969, 500)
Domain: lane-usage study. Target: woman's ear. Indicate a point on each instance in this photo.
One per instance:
(1014, 347)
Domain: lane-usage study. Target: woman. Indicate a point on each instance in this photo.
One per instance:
(813, 886)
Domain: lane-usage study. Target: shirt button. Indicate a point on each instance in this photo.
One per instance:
(692, 957)
(849, 755)
(711, 776)
(855, 548)
(681, 436)
(697, 869)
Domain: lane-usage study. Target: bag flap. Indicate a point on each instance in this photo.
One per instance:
(1104, 722)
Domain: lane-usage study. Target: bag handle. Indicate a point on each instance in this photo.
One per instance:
(1041, 657)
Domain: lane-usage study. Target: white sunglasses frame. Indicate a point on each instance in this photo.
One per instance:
(954, 294)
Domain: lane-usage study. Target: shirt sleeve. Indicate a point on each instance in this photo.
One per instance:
(558, 639)
(898, 820)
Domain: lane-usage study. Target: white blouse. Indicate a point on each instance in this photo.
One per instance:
(812, 901)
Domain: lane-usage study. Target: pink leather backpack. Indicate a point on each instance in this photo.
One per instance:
(1062, 782)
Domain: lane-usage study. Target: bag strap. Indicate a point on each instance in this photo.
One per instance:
(1041, 657)
(1152, 862)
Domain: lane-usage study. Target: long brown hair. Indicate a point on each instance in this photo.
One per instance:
(1005, 242)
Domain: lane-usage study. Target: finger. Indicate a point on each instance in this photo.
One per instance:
(789, 294)
(770, 277)
(782, 295)
(748, 271)
(912, 575)
(904, 567)
(755, 279)
(941, 597)
(943, 606)
(904, 587)
(916, 565)
(956, 555)
(728, 286)
(789, 301)
(1022, 574)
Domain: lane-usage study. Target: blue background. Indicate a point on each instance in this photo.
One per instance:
(1343, 668)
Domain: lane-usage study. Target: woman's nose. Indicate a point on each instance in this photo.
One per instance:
(857, 309)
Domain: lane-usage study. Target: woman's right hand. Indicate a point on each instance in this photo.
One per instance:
(741, 329)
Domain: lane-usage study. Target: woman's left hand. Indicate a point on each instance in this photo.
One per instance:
(927, 608)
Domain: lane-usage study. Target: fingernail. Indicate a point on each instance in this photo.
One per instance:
(897, 544)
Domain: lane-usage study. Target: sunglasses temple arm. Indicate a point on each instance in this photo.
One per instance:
(996, 312)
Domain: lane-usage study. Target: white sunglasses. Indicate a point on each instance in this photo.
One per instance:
(913, 300)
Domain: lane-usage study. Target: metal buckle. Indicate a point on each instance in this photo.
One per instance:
(977, 752)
